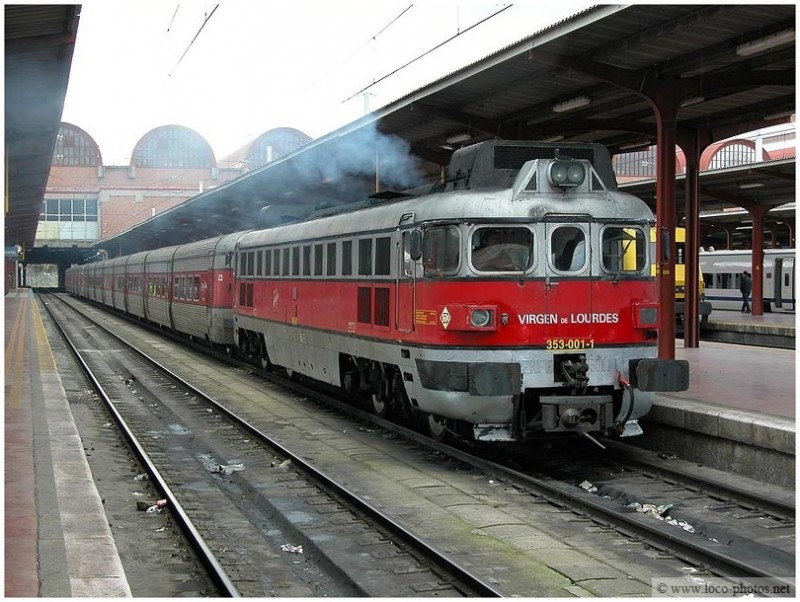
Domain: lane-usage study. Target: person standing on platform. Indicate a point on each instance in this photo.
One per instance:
(745, 288)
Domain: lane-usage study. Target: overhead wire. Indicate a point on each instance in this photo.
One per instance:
(349, 57)
(199, 31)
(427, 52)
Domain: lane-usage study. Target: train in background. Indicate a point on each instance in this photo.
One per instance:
(722, 273)
(704, 306)
(513, 301)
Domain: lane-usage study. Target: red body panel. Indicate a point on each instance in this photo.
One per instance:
(600, 311)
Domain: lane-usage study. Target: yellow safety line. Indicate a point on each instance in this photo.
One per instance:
(47, 362)
(14, 338)
(15, 352)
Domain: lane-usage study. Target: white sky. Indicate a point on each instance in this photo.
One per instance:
(261, 64)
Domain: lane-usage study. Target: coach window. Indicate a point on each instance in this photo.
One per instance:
(318, 260)
(268, 262)
(347, 257)
(307, 260)
(365, 257)
(568, 249)
(276, 262)
(295, 261)
(624, 249)
(259, 263)
(383, 256)
(331, 259)
(441, 250)
(286, 259)
(502, 249)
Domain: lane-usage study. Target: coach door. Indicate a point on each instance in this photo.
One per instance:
(568, 290)
(784, 283)
(404, 285)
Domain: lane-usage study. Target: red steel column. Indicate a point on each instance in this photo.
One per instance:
(691, 317)
(666, 219)
(757, 302)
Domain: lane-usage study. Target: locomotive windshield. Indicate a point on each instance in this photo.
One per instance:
(568, 249)
(501, 249)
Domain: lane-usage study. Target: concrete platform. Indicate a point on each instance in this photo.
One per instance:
(738, 414)
(772, 329)
(57, 539)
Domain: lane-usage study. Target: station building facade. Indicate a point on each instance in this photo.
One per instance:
(86, 201)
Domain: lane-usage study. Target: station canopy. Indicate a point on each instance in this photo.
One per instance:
(730, 66)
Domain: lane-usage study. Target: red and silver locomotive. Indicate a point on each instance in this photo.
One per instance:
(513, 301)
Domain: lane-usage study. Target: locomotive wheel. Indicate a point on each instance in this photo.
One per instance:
(379, 406)
(437, 429)
(266, 365)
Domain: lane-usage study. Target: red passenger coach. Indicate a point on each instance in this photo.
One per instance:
(202, 292)
(136, 283)
(515, 301)
(187, 288)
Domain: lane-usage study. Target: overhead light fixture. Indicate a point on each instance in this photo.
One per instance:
(551, 139)
(694, 100)
(572, 104)
(751, 185)
(779, 115)
(767, 43)
(645, 143)
(744, 228)
(458, 138)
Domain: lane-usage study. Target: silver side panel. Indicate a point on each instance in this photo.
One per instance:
(190, 319)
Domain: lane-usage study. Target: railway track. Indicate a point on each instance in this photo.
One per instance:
(160, 415)
(735, 527)
(706, 520)
(525, 496)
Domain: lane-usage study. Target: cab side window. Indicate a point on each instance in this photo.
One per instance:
(441, 250)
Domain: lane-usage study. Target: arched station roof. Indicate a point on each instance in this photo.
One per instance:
(270, 146)
(75, 147)
(173, 146)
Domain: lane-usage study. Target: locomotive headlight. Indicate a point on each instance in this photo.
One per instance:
(648, 316)
(480, 318)
(566, 173)
(645, 315)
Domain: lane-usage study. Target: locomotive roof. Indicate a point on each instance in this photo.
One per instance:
(484, 204)
(497, 162)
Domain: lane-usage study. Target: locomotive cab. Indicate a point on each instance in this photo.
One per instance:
(547, 307)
